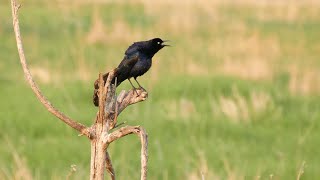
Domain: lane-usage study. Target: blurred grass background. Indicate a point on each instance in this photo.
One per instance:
(236, 97)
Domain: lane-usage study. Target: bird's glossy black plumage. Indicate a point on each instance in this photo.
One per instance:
(136, 62)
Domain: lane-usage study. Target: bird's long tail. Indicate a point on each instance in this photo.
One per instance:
(96, 88)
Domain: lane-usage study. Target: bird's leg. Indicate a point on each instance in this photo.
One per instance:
(134, 88)
(131, 84)
(135, 78)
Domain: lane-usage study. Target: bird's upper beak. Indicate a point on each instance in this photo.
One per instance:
(163, 45)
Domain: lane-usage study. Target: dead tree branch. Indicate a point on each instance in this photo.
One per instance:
(128, 98)
(110, 106)
(120, 102)
(72, 123)
(144, 143)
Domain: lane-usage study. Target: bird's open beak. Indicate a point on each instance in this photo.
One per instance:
(165, 44)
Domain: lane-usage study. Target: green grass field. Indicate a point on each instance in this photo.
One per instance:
(237, 96)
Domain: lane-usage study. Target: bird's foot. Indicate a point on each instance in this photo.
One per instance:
(138, 91)
(135, 91)
(142, 88)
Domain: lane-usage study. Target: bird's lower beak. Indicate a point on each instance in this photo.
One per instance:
(166, 44)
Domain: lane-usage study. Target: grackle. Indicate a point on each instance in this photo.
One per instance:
(136, 62)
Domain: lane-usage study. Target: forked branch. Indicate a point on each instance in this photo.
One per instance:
(144, 144)
(128, 98)
(75, 125)
(109, 107)
(117, 104)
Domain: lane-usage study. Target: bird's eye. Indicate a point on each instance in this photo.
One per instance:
(159, 42)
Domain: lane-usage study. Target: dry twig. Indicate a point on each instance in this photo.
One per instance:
(70, 122)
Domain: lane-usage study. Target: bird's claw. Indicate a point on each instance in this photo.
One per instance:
(142, 88)
(135, 91)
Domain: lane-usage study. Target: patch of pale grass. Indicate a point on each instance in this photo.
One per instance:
(57, 77)
(304, 81)
(83, 69)
(232, 173)
(118, 31)
(180, 14)
(229, 108)
(73, 169)
(238, 44)
(97, 31)
(179, 17)
(196, 69)
(180, 109)
(204, 2)
(254, 69)
(171, 109)
(289, 12)
(246, 57)
(83, 72)
(20, 169)
(284, 13)
(301, 170)
(187, 108)
(202, 171)
(239, 109)
(42, 74)
(175, 20)
(260, 101)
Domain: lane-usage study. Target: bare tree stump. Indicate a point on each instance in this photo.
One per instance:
(110, 106)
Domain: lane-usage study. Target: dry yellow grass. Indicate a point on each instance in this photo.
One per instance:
(304, 81)
(245, 53)
(97, 31)
(20, 169)
(203, 172)
(183, 109)
(239, 109)
(42, 74)
(119, 31)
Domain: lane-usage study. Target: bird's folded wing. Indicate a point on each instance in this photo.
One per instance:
(132, 49)
(129, 61)
(126, 65)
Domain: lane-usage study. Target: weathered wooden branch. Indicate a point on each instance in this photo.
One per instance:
(110, 106)
(120, 102)
(128, 98)
(70, 122)
(138, 130)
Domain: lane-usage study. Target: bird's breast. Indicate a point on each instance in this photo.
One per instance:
(141, 67)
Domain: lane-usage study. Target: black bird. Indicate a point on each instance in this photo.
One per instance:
(136, 62)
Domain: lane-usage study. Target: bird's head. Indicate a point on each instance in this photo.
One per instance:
(156, 44)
